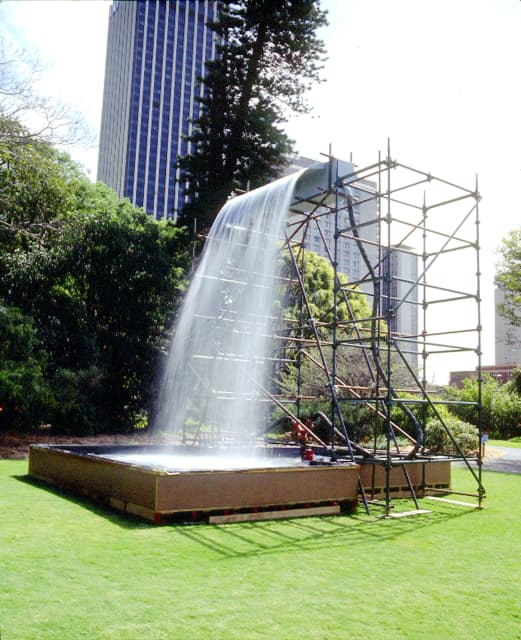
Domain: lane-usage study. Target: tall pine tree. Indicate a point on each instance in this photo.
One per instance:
(268, 57)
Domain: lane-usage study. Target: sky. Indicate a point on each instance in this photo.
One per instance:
(439, 78)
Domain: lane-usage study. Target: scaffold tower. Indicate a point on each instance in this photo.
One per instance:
(371, 364)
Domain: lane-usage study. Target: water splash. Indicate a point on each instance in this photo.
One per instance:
(178, 462)
(220, 354)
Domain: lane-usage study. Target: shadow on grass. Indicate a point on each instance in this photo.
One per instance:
(119, 518)
(307, 534)
(273, 536)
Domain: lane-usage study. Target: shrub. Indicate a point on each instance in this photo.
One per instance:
(501, 407)
(437, 439)
(24, 392)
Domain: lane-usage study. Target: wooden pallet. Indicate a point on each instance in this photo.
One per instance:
(252, 516)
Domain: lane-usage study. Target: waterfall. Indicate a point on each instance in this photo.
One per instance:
(219, 357)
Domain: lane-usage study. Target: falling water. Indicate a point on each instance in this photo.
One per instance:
(219, 359)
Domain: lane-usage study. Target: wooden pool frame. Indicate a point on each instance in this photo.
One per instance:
(157, 495)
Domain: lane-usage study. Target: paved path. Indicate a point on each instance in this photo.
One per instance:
(502, 459)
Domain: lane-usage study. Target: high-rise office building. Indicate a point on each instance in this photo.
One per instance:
(156, 53)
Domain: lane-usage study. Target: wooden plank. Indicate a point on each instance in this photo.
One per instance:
(274, 515)
(139, 510)
(449, 501)
(405, 514)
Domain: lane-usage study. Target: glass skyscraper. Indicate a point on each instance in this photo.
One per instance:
(156, 53)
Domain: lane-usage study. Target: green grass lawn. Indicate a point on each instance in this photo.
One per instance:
(70, 569)
(514, 443)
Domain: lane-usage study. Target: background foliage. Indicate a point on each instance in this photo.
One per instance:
(88, 284)
(508, 276)
(501, 406)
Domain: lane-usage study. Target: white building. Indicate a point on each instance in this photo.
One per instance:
(508, 336)
(320, 237)
(400, 299)
(397, 273)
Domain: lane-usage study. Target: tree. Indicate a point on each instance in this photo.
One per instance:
(302, 372)
(101, 291)
(508, 277)
(45, 118)
(318, 279)
(268, 56)
(37, 185)
(501, 406)
(515, 381)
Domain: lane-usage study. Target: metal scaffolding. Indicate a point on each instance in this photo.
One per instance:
(368, 362)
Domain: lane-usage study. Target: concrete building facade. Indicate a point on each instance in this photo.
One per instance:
(398, 271)
(507, 336)
(365, 213)
(400, 299)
